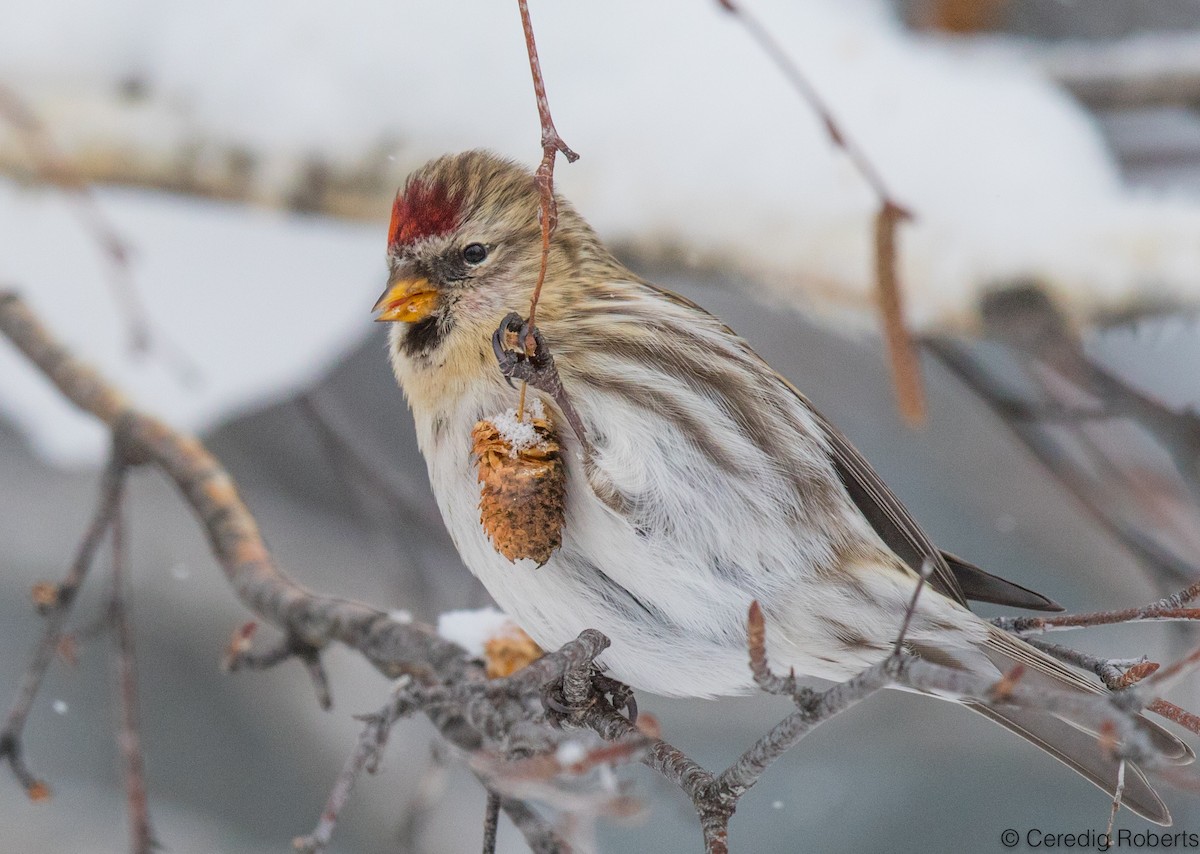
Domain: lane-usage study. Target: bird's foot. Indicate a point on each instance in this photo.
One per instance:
(523, 355)
(519, 361)
(571, 698)
(619, 694)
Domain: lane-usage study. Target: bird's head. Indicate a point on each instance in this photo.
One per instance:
(464, 250)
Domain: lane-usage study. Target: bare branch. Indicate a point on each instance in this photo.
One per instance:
(371, 741)
(1147, 70)
(1116, 673)
(393, 647)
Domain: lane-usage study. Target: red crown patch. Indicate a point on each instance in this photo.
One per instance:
(423, 210)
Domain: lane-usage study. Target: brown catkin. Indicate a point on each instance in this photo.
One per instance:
(508, 651)
(522, 497)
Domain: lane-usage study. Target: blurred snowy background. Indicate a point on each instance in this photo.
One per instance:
(247, 152)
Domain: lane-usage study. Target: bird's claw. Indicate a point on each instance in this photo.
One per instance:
(536, 367)
(562, 710)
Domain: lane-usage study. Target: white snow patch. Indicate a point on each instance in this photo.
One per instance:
(471, 629)
(400, 615)
(570, 752)
(519, 433)
(261, 303)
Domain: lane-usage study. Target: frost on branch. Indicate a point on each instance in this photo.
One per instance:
(521, 499)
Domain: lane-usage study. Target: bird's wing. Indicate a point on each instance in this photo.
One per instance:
(949, 575)
(981, 586)
(891, 521)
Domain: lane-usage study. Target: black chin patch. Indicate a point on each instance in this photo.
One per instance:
(425, 336)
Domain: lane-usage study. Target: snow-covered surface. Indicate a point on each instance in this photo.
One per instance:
(691, 140)
(689, 136)
(472, 628)
(259, 302)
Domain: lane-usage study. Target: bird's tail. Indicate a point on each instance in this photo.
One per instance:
(1069, 743)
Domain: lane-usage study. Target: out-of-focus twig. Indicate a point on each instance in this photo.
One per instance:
(56, 169)
(906, 368)
(1150, 69)
(55, 601)
(129, 737)
(959, 358)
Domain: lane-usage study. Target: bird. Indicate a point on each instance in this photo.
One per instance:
(697, 479)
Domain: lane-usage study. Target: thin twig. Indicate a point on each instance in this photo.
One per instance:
(366, 754)
(55, 603)
(239, 655)
(1118, 793)
(129, 738)
(906, 368)
(1116, 673)
(491, 822)
(552, 144)
(923, 577)
(1145, 614)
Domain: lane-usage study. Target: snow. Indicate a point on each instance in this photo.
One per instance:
(519, 433)
(472, 628)
(259, 302)
(691, 142)
(401, 615)
(570, 752)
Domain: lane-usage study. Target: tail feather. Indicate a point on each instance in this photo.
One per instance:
(1042, 671)
(1067, 741)
(1082, 753)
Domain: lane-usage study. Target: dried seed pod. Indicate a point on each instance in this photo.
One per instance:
(521, 501)
(508, 651)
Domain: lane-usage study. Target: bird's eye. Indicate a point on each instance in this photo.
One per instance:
(474, 253)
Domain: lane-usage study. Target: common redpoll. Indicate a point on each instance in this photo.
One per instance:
(707, 480)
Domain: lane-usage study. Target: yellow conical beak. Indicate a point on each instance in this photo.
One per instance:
(407, 301)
